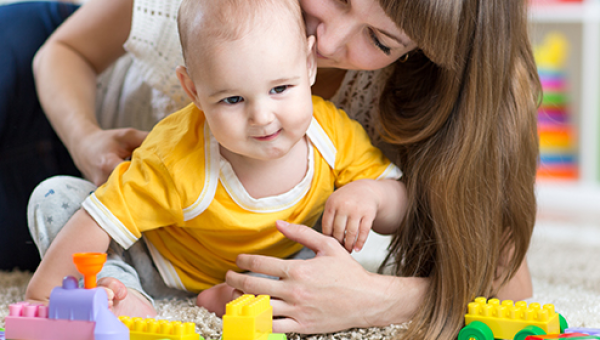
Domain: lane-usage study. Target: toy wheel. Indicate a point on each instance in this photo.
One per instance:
(529, 330)
(476, 330)
(563, 323)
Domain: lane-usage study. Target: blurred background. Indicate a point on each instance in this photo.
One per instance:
(566, 39)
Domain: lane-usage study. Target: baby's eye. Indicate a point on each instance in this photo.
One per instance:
(279, 89)
(232, 100)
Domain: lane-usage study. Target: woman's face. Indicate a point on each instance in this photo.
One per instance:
(354, 34)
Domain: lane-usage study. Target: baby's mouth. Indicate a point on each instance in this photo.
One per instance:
(270, 137)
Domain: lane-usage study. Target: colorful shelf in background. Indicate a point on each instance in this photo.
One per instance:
(557, 133)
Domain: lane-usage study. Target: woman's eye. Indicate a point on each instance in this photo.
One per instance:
(232, 100)
(378, 43)
(279, 89)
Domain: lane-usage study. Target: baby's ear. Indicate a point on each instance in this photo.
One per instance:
(311, 58)
(187, 84)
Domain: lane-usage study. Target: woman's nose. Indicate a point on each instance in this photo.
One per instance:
(332, 36)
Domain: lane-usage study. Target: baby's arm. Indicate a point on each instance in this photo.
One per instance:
(80, 234)
(352, 210)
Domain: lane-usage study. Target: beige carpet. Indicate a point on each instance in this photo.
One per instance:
(564, 261)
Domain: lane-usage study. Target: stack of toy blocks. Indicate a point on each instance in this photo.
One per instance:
(506, 319)
(73, 314)
(557, 135)
(249, 317)
(152, 329)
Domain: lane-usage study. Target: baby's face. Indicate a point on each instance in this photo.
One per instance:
(255, 92)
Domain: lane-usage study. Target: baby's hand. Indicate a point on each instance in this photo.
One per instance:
(349, 214)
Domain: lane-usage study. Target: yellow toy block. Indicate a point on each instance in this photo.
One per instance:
(248, 318)
(152, 329)
(506, 320)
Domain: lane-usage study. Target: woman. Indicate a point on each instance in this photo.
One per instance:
(457, 113)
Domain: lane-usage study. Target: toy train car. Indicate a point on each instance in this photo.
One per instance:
(488, 320)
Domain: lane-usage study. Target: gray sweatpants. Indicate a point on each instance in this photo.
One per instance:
(56, 199)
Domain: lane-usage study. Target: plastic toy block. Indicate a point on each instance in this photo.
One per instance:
(277, 336)
(588, 331)
(248, 318)
(31, 322)
(571, 336)
(89, 265)
(152, 329)
(506, 320)
(73, 314)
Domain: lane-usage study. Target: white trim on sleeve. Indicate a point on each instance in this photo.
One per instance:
(391, 172)
(109, 222)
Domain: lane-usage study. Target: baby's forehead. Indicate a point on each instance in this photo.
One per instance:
(261, 48)
(209, 39)
(229, 20)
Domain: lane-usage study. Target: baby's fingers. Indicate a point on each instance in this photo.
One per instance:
(352, 229)
(327, 222)
(363, 234)
(339, 227)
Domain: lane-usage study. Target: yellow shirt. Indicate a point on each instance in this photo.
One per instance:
(194, 213)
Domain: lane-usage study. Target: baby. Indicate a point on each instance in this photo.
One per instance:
(211, 180)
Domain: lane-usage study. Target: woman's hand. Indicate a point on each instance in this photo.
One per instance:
(98, 153)
(328, 293)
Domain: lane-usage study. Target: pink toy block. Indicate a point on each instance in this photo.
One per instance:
(31, 322)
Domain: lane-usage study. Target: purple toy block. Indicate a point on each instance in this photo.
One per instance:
(74, 314)
(589, 331)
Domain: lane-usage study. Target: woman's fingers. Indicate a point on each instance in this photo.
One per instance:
(310, 238)
(254, 285)
(130, 139)
(286, 325)
(283, 321)
(266, 265)
(280, 308)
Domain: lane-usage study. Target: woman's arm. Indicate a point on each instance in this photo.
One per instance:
(65, 70)
(330, 292)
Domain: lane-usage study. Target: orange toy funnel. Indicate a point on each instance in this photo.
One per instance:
(89, 265)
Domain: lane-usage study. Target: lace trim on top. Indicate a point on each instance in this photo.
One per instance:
(154, 44)
(359, 96)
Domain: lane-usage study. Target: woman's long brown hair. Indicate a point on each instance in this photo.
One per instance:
(462, 113)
